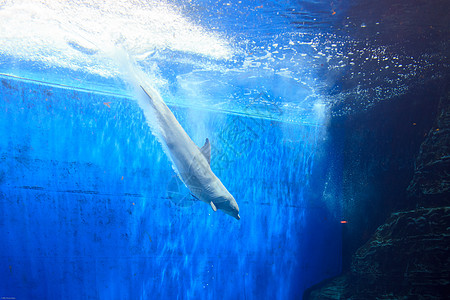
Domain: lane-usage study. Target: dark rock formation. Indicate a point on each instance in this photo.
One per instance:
(430, 186)
(408, 256)
(370, 158)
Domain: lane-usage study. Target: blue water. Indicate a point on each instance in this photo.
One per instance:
(86, 214)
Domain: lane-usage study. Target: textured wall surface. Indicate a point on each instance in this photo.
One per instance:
(431, 183)
(407, 256)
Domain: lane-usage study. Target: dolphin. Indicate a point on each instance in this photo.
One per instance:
(191, 162)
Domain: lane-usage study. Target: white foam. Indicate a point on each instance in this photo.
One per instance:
(71, 34)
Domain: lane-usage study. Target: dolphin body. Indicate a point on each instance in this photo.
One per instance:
(191, 162)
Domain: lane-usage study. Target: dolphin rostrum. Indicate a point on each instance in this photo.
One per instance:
(191, 162)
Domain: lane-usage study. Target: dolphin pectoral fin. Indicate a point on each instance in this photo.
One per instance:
(213, 206)
(206, 151)
(195, 198)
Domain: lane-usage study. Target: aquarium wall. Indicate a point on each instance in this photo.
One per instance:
(395, 194)
(91, 207)
(328, 123)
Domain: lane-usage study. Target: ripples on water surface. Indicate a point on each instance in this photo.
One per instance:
(233, 56)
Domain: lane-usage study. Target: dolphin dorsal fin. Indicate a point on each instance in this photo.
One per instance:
(206, 150)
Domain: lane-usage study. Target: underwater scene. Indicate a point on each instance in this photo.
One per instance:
(198, 149)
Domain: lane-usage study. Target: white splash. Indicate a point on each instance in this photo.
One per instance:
(71, 34)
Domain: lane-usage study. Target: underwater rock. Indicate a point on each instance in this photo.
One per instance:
(372, 155)
(431, 183)
(407, 257)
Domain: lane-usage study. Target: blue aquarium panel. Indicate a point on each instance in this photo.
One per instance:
(91, 207)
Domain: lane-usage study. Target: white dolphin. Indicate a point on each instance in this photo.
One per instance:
(191, 162)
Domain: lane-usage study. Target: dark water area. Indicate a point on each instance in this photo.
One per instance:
(378, 149)
(395, 192)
